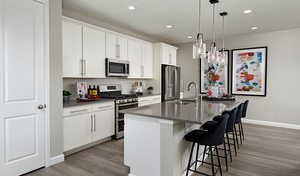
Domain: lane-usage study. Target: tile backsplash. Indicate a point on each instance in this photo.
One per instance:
(70, 84)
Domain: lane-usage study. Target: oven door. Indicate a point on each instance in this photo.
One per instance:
(119, 123)
(118, 68)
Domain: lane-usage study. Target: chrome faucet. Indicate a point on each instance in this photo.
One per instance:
(190, 86)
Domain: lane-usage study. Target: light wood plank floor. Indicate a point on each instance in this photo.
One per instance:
(267, 151)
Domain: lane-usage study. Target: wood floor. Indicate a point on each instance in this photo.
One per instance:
(267, 151)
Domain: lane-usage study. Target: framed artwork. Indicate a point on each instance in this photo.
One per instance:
(249, 71)
(214, 74)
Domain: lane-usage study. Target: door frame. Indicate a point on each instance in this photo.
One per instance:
(47, 162)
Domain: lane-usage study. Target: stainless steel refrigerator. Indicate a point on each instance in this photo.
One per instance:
(170, 82)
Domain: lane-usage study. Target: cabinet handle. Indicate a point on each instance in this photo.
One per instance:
(82, 110)
(118, 51)
(94, 122)
(84, 62)
(82, 72)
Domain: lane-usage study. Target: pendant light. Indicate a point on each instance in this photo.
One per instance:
(213, 53)
(199, 47)
(223, 53)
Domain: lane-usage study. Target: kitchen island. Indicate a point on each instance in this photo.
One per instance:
(154, 142)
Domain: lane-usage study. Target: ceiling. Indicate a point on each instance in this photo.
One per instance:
(151, 16)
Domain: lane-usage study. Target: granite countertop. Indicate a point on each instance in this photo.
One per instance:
(73, 103)
(194, 112)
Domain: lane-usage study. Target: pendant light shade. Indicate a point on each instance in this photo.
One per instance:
(199, 47)
(223, 53)
(213, 53)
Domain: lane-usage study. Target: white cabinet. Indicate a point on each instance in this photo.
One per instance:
(104, 124)
(116, 46)
(87, 124)
(147, 60)
(149, 100)
(135, 58)
(93, 52)
(72, 49)
(83, 51)
(140, 56)
(168, 54)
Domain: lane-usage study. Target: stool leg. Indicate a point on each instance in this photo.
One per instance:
(242, 131)
(236, 137)
(229, 146)
(225, 152)
(234, 142)
(204, 153)
(220, 167)
(190, 159)
(196, 162)
(212, 160)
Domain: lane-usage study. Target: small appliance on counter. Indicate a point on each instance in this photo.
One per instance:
(137, 88)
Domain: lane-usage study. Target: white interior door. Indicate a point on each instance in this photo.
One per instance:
(94, 52)
(22, 86)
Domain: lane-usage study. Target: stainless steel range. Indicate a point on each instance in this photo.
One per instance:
(122, 102)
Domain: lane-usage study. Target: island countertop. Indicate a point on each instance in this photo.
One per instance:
(194, 112)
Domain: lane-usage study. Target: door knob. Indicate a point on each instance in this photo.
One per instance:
(41, 107)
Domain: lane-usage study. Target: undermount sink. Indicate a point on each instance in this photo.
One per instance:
(186, 101)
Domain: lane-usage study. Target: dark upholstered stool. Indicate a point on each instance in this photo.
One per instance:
(244, 115)
(230, 129)
(238, 122)
(211, 138)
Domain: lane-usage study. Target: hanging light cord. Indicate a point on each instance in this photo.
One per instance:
(223, 26)
(199, 20)
(214, 32)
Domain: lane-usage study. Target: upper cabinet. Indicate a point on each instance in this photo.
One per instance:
(85, 48)
(147, 60)
(72, 49)
(83, 51)
(140, 56)
(93, 52)
(168, 54)
(116, 46)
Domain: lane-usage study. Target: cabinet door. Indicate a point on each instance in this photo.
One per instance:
(173, 55)
(147, 60)
(93, 52)
(111, 46)
(77, 131)
(104, 123)
(135, 58)
(122, 48)
(72, 49)
(165, 55)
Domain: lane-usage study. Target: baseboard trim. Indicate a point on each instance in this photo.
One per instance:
(55, 160)
(131, 174)
(273, 124)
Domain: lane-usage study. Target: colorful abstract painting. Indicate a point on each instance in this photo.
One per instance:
(248, 74)
(214, 74)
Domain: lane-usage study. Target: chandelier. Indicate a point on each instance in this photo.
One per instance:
(199, 47)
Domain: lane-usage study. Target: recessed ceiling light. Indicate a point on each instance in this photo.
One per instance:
(169, 26)
(131, 7)
(189, 37)
(254, 28)
(247, 11)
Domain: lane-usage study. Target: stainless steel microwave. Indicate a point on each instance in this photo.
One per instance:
(115, 67)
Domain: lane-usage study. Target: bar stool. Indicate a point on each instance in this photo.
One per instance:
(238, 122)
(229, 129)
(244, 115)
(211, 139)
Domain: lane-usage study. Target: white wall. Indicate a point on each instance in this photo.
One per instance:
(56, 123)
(282, 103)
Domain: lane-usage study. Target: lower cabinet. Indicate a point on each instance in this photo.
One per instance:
(149, 100)
(87, 124)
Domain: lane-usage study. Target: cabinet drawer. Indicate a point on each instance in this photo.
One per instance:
(77, 110)
(103, 106)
